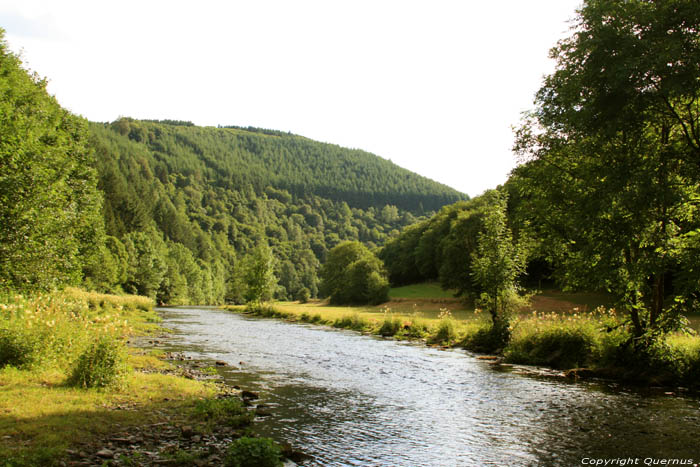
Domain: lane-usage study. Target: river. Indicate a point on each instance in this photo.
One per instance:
(352, 400)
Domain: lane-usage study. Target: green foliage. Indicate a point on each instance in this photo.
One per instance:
(258, 275)
(446, 331)
(253, 452)
(390, 326)
(556, 347)
(353, 321)
(417, 328)
(497, 263)
(438, 249)
(17, 348)
(303, 295)
(50, 226)
(101, 365)
(218, 192)
(353, 275)
(611, 174)
(226, 411)
(489, 337)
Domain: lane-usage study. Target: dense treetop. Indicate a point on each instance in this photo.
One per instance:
(233, 156)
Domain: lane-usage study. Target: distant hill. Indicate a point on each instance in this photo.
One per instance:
(234, 156)
(212, 194)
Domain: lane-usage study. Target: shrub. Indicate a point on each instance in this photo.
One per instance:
(446, 332)
(253, 452)
(488, 338)
(557, 346)
(101, 365)
(354, 322)
(390, 326)
(417, 328)
(317, 318)
(303, 295)
(16, 348)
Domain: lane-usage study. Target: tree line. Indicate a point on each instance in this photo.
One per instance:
(608, 188)
(178, 212)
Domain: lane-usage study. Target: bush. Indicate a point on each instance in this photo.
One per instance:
(354, 322)
(446, 332)
(390, 326)
(353, 275)
(558, 347)
(253, 452)
(417, 328)
(303, 295)
(101, 365)
(16, 348)
(488, 338)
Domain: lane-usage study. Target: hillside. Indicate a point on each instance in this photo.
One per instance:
(187, 204)
(234, 156)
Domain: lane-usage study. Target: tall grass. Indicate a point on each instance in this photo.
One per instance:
(53, 330)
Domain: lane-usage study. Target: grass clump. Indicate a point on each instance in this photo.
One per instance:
(417, 328)
(560, 348)
(253, 452)
(101, 365)
(226, 411)
(390, 326)
(446, 331)
(563, 341)
(353, 321)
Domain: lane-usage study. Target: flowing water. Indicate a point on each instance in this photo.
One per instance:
(348, 399)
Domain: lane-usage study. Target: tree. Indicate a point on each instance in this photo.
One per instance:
(353, 275)
(612, 151)
(498, 262)
(50, 226)
(259, 276)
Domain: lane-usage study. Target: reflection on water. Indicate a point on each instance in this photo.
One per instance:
(348, 399)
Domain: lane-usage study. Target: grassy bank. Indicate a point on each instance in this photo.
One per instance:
(574, 339)
(57, 400)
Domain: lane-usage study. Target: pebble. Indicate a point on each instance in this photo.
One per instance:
(105, 453)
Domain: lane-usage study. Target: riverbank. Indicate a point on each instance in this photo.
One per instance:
(56, 350)
(582, 344)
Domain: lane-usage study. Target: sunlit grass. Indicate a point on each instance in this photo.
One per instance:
(40, 413)
(426, 291)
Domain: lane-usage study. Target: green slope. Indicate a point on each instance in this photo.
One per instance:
(187, 204)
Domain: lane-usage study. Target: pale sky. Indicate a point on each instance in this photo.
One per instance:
(435, 86)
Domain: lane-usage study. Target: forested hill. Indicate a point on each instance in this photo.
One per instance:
(232, 157)
(184, 206)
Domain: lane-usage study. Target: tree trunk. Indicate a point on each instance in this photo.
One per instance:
(657, 306)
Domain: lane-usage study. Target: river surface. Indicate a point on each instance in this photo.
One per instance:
(352, 400)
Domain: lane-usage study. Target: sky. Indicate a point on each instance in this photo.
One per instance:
(435, 86)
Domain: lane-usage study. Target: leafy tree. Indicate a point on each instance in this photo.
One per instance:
(611, 151)
(147, 263)
(498, 262)
(50, 225)
(259, 274)
(353, 275)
